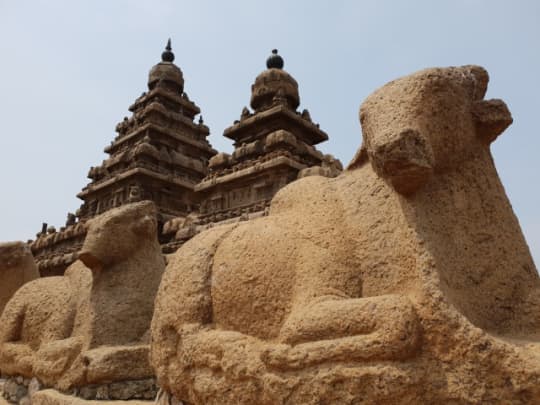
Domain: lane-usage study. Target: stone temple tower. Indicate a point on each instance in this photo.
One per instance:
(272, 145)
(160, 153)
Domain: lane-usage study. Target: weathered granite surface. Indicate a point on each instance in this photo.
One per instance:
(406, 279)
(90, 326)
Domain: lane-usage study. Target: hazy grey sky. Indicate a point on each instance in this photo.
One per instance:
(70, 69)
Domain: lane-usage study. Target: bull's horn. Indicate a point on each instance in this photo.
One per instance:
(480, 79)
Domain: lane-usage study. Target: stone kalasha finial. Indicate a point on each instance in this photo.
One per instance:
(274, 61)
(167, 55)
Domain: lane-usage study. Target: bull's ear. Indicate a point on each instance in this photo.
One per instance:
(407, 161)
(491, 118)
(480, 81)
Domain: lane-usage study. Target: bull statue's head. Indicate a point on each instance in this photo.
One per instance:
(428, 122)
(117, 234)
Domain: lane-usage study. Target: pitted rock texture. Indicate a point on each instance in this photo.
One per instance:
(91, 325)
(406, 279)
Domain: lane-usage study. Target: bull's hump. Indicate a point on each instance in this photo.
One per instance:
(303, 195)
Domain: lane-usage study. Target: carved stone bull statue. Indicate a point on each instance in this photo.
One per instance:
(91, 325)
(406, 279)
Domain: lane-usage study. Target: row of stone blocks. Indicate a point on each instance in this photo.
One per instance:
(20, 390)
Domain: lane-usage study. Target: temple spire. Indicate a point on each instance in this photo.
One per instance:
(167, 55)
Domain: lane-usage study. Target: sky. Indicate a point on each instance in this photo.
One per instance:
(70, 69)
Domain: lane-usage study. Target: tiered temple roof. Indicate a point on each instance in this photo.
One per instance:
(272, 145)
(160, 153)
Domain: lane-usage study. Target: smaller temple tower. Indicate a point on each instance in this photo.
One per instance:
(272, 145)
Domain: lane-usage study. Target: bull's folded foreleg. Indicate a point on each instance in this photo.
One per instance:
(16, 359)
(374, 328)
(54, 358)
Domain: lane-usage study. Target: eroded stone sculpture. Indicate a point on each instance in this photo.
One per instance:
(406, 279)
(91, 325)
(17, 267)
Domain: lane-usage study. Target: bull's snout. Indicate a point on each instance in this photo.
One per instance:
(406, 161)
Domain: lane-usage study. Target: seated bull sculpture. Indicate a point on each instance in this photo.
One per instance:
(405, 279)
(91, 325)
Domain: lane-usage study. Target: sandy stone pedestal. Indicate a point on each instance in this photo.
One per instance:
(53, 397)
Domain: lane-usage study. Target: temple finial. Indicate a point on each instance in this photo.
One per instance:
(274, 61)
(167, 55)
